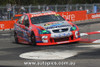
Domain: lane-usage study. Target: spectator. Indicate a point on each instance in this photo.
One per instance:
(87, 11)
(81, 8)
(22, 10)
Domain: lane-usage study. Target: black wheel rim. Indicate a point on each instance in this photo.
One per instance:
(33, 40)
(16, 39)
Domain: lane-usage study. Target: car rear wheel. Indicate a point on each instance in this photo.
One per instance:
(16, 38)
(33, 39)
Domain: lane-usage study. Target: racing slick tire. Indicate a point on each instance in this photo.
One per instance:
(77, 42)
(33, 39)
(16, 38)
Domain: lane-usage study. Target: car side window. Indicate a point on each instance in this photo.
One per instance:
(20, 20)
(26, 21)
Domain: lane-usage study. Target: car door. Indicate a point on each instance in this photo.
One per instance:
(25, 27)
(18, 28)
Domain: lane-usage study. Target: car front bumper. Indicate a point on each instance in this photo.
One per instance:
(48, 40)
(62, 42)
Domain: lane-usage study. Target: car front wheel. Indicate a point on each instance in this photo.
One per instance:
(16, 38)
(33, 39)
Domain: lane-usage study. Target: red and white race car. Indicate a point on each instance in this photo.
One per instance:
(45, 28)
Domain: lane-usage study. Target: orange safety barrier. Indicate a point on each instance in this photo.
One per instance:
(93, 15)
(7, 24)
(74, 15)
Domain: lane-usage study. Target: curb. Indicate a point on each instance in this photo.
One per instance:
(93, 41)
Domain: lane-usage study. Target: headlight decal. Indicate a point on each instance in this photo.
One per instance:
(44, 39)
(76, 34)
(44, 32)
(73, 28)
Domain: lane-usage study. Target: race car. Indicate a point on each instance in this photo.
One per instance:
(45, 28)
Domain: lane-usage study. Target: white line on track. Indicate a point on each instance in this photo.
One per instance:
(98, 31)
(91, 46)
(5, 39)
(5, 34)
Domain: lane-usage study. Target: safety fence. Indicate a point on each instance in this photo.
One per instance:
(71, 15)
(8, 11)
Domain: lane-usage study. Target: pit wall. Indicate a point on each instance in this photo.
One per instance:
(72, 16)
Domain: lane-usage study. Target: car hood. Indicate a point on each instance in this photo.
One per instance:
(53, 25)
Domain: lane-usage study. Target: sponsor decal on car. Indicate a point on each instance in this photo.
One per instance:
(41, 14)
(56, 26)
(49, 24)
(58, 35)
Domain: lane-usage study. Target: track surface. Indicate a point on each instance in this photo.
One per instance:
(88, 55)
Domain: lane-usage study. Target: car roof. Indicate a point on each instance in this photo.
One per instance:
(34, 14)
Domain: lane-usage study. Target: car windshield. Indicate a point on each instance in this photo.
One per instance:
(46, 18)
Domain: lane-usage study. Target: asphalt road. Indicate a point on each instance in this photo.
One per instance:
(85, 55)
